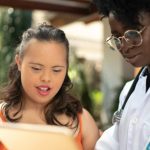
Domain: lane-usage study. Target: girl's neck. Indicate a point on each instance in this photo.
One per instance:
(32, 113)
(32, 117)
(32, 106)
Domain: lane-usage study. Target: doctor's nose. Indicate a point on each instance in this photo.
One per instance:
(124, 46)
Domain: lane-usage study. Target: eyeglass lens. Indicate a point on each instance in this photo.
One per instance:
(132, 37)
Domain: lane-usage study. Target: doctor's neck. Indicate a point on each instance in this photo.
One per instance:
(148, 68)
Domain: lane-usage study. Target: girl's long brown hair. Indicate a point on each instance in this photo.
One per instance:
(62, 103)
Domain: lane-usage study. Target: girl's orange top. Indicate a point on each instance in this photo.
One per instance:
(2, 118)
(78, 138)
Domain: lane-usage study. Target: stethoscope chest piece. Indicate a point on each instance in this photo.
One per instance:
(117, 116)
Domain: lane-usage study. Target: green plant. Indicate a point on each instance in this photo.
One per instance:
(12, 23)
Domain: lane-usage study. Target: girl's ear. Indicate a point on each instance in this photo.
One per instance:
(18, 61)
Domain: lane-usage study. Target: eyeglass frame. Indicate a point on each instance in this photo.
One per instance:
(123, 37)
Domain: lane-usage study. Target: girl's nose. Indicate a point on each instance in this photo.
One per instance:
(45, 76)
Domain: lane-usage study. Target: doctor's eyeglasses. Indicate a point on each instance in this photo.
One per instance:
(131, 37)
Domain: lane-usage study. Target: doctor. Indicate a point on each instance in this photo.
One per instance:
(130, 27)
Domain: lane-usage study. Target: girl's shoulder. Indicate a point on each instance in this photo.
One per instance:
(90, 131)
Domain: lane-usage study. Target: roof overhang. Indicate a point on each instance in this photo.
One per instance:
(82, 7)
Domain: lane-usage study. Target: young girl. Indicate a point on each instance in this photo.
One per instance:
(37, 91)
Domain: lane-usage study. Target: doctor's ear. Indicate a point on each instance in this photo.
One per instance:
(18, 61)
(144, 18)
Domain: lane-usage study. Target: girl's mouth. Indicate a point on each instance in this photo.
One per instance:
(43, 90)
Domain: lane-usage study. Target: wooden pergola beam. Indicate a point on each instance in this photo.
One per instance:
(66, 6)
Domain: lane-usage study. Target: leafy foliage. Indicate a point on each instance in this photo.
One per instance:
(12, 23)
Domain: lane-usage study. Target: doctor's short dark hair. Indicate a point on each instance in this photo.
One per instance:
(12, 93)
(126, 11)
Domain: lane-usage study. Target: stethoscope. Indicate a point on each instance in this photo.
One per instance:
(118, 114)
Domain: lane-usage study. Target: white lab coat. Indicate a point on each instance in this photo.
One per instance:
(133, 131)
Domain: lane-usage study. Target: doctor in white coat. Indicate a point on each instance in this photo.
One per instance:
(130, 27)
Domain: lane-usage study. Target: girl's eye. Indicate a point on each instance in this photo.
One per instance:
(57, 70)
(36, 68)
